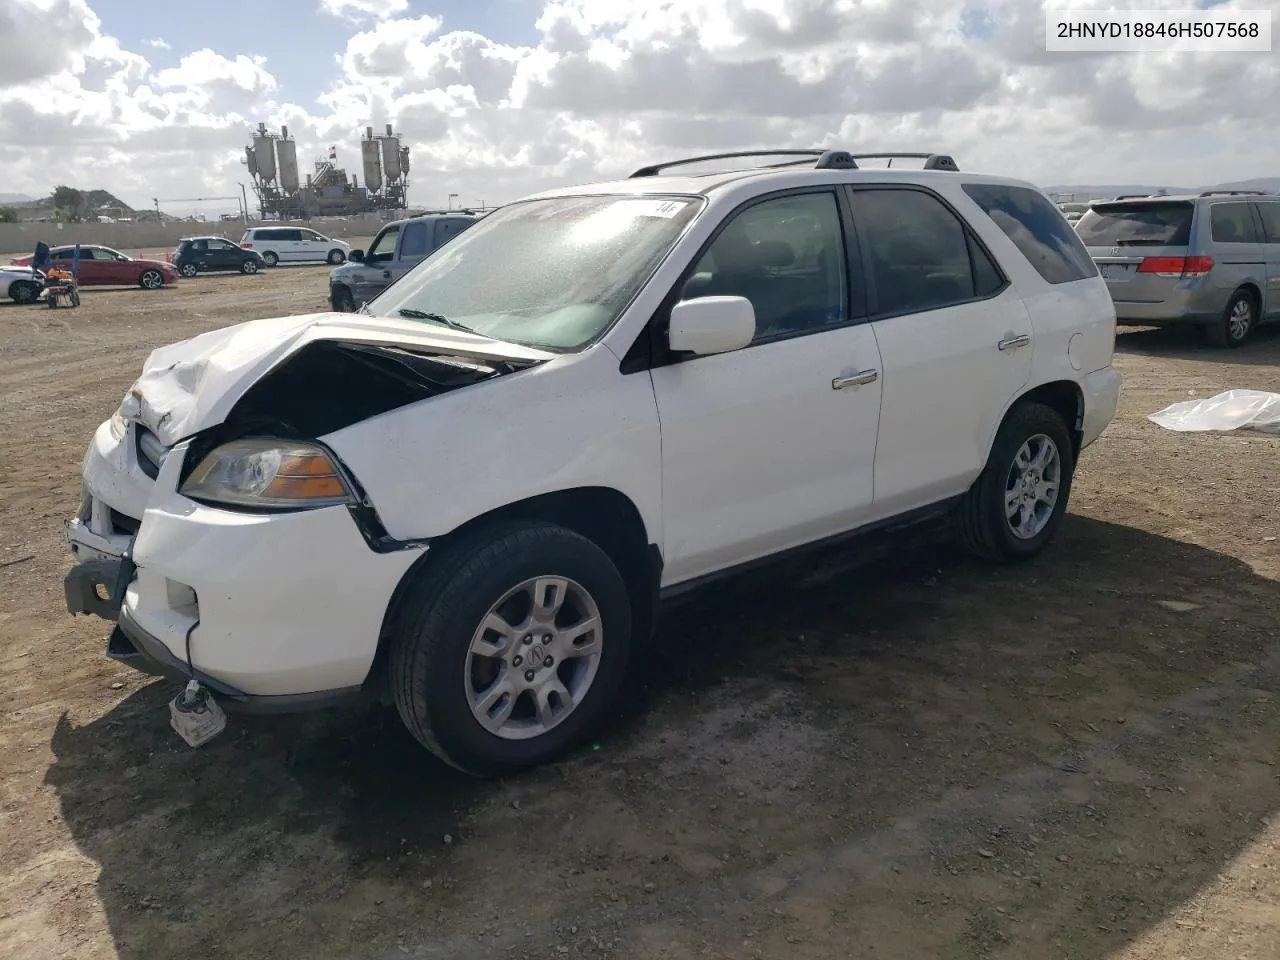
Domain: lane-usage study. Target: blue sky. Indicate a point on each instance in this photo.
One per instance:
(298, 41)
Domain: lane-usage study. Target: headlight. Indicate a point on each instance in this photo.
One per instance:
(268, 473)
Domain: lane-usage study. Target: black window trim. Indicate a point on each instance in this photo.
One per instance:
(971, 240)
(1263, 232)
(650, 350)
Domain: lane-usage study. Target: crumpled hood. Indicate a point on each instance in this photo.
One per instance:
(193, 384)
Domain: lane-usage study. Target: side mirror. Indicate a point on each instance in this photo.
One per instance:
(356, 256)
(708, 325)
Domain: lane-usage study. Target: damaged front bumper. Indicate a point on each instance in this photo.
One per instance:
(273, 612)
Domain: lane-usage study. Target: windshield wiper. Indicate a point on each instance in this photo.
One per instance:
(410, 314)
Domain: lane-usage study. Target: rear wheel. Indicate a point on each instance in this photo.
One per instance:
(1017, 504)
(511, 648)
(151, 280)
(1238, 321)
(20, 291)
(336, 257)
(249, 266)
(270, 259)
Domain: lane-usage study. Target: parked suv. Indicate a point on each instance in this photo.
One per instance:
(396, 250)
(213, 254)
(470, 496)
(1211, 260)
(294, 245)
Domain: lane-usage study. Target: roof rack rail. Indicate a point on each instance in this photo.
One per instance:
(655, 169)
(1133, 196)
(1234, 193)
(437, 213)
(822, 160)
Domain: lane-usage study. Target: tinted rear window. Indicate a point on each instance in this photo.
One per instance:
(1232, 223)
(1037, 228)
(1136, 224)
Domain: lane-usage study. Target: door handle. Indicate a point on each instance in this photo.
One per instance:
(386, 274)
(1012, 343)
(859, 379)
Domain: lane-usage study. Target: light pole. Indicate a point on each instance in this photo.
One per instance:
(245, 204)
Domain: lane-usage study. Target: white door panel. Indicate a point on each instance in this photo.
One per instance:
(946, 384)
(761, 451)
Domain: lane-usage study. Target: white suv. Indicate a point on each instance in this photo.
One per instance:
(471, 495)
(294, 245)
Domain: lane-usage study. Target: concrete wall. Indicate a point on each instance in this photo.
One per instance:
(20, 239)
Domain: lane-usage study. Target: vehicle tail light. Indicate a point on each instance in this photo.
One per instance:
(1176, 266)
(247, 246)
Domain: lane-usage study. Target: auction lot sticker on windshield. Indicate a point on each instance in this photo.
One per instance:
(1158, 31)
(663, 209)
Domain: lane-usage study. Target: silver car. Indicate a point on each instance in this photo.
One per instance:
(1211, 260)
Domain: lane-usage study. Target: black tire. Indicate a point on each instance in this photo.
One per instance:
(151, 280)
(985, 528)
(189, 270)
(342, 300)
(434, 626)
(270, 259)
(22, 292)
(1228, 331)
(336, 257)
(249, 267)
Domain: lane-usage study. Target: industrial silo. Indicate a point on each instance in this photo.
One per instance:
(288, 150)
(369, 149)
(391, 156)
(265, 153)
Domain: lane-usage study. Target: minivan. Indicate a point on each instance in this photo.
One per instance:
(294, 245)
(1209, 260)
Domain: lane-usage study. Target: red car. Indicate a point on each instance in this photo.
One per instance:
(102, 266)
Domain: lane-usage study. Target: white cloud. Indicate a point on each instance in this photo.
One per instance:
(357, 10)
(605, 85)
(158, 43)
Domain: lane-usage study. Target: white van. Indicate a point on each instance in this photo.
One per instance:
(294, 245)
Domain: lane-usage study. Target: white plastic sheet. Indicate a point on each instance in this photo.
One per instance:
(1232, 410)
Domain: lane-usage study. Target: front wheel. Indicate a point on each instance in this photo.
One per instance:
(249, 266)
(1238, 321)
(511, 648)
(1017, 503)
(23, 292)
(151, 280)
(336, 257)
(343, 301)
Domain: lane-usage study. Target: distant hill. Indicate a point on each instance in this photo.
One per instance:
(9, 198)
(97, 203)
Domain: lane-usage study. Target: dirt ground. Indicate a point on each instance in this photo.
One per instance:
(918, 758)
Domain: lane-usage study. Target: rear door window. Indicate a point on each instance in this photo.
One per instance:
(918, 250)
(1136, 225)
(1037, 228)
(1232, 223)
(416, 241)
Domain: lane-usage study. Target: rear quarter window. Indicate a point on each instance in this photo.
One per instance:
(1037, 228)
(1136, 224)
(1232, 223)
